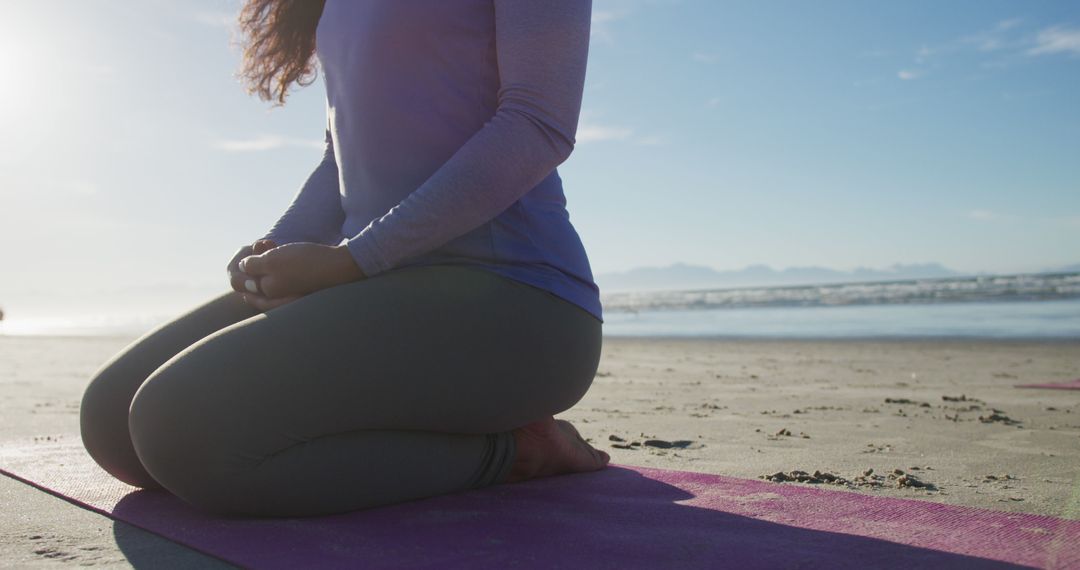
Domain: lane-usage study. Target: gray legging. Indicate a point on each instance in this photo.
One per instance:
(394, 388)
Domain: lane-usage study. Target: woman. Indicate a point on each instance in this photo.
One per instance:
(423, 308)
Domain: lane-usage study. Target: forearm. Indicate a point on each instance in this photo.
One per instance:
(502, 162)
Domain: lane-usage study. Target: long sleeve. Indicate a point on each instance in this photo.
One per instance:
(315, 214)
(542, 49)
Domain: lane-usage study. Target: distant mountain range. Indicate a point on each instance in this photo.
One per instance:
(683, 276)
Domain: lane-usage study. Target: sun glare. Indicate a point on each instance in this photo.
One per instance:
(17, 74)
(35, 84)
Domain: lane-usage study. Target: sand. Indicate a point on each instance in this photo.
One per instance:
(931, 420)
(844, 408)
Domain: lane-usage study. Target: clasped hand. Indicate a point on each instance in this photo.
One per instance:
(282, 274)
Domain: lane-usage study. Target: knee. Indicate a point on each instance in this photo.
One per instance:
(579, 381)
(103, 426)
(574, 394)
(173, 433)
(584, 365)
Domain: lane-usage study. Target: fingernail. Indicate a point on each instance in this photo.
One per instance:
(250, 286)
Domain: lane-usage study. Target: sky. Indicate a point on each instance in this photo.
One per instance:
(832, 133)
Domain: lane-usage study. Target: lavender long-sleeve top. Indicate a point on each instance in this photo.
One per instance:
(445, 123)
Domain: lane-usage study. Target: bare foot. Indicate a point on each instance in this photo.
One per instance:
(552, 447)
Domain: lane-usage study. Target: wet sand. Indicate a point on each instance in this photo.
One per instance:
(930, 420)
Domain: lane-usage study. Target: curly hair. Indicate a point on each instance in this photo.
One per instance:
(278, 41)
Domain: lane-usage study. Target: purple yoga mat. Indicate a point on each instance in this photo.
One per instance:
(620, 517)
(1070, 385)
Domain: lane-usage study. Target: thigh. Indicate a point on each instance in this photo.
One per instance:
(438, 348)
(121, 376)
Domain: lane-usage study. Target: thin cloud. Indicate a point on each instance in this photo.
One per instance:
(591, 132)
(907, 74)
(601, 25)
(1009, 24)
(100, 69)
(82, 187)
(603, 16)
(983, 215)
(923, 54)
(68, 187)
(33, 192)
(1007, 41)
(706, 57)
(651, 140)
(596, 133)
(1057, 39)
(875, 53)
(588, 133)
(264, 143)
(994, 39)
(215, 19)
(1004, 39)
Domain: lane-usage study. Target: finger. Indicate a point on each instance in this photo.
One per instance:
(236, 281)
(253, 264)
(264, 304)
(262, 246)
(251, 285)
(272, 287)
(237, 277)
(240, 254)
(269, 287)
(256, 301)
(275, 303)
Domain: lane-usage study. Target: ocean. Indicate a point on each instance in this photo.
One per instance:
(1030, 306)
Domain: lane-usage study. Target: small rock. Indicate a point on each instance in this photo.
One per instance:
(663, 444)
